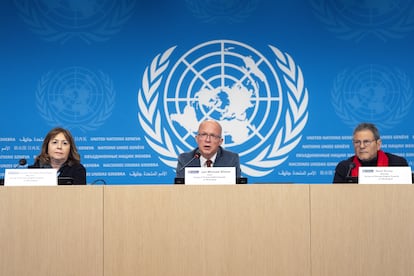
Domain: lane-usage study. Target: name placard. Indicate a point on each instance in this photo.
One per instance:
(210, 176)
(30, 177)
(384, 175)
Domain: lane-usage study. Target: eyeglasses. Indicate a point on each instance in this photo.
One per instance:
(211, 136)
(366, 143)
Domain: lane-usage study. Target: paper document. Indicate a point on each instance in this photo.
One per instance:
(384, 175)
(210, 176)
(30, 177)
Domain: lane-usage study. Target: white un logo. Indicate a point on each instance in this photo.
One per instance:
(226, 81)
(232, 83)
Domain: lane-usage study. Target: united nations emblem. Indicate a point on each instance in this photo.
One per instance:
(64, 20)
(372, 93)
(356, 20)
(76, 98)
(260, 103)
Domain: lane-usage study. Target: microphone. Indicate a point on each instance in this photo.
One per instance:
(349, 177)
(22, 163)
(180, 180)
(197, 155)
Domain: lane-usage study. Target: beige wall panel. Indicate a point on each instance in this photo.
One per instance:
(362, 230)
(54, 231)
(207, 230)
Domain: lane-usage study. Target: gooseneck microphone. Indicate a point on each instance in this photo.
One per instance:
(197, 155)
(180, 180)
(349, 177)
(22, 163)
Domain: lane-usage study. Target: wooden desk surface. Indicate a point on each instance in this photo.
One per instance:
(207, 230)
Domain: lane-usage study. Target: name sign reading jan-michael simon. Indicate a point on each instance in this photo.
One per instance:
(384, 175)
(210, 176)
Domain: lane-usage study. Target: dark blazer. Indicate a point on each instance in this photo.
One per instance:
(77, 172)
(343, 169)
(224, 158)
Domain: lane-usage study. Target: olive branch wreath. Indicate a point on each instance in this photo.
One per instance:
(401, 25)
(102, 32)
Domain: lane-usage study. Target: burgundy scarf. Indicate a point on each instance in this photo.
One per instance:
(381, 162)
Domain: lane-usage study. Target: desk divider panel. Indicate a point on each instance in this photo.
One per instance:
(362, 230)
(207, 230)
(51, 231)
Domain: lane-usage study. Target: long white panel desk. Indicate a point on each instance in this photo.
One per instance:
(207, 230)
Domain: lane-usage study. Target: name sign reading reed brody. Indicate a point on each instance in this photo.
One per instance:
(385, 175)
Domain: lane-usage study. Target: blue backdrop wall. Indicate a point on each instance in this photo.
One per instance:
(288, 80)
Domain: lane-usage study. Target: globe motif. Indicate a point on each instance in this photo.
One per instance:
(373, 93)
(226, 81)
(75, 96)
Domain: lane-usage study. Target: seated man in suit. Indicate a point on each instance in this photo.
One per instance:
(209, 152)
(367, 148)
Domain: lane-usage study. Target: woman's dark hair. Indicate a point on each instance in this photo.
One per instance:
(73, 158)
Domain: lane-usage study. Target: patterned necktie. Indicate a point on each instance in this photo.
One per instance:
(209, 162)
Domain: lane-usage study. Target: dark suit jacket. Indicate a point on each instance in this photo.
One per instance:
(224, 158)
(342, 170)
(77, 172)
